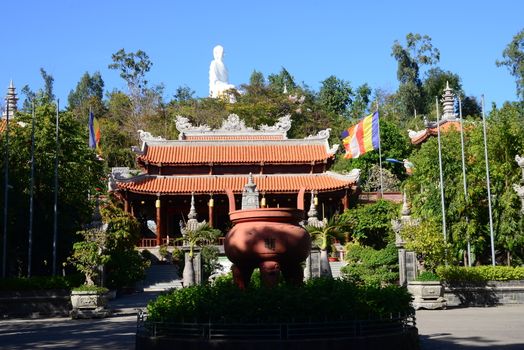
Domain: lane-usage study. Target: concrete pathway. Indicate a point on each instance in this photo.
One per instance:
(500, 327)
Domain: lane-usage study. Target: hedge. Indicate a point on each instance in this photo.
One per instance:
(480, 273)
(317, 300)
(41, 282)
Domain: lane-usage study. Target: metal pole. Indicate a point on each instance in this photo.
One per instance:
(55, 207)
(380, 156)
(6, 191)
(489, 185)
(31, 186)
(464, 172)
(441, 177)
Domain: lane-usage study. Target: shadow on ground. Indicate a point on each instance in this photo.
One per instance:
(447, 341)
(111, 333)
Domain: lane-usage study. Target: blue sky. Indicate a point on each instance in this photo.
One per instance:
(311, 39)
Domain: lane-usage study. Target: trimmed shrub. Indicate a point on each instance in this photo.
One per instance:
(369, 266)
(480, 273)
(41, 282)
(425, 276)
(317, 300)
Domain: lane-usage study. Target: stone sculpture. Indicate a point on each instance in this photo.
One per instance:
(218, 75)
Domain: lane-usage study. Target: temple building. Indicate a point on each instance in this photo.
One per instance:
(204, 162)
(447, 122)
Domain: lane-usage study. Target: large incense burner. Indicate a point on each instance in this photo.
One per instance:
(268, 238)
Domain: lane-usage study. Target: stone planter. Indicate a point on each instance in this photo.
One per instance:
(89, 304)
(427, 294)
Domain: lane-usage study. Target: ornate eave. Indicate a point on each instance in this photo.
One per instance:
(233, 135)
(232, 126)
(205, 184)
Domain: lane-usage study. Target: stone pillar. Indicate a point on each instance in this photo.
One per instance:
(158, 221)
(197, 263)
(407, 260)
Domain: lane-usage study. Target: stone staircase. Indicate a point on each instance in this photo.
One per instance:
(335, 268)
(161, 278)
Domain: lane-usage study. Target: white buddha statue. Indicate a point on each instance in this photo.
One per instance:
(218, 76)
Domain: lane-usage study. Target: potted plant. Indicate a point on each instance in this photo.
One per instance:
(322, 237)
(427, 291)
(426, 240)
(90, 299)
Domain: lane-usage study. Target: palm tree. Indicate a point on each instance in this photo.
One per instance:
(322, 237)
(194, 237)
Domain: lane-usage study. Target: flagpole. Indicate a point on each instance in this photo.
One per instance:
(464, 173)
(441, 177)
(488, 185)
(31, 186)
(380, 156)
(55, 212)
(6, 190)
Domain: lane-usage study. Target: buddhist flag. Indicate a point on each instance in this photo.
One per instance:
(362, 137)
(94, 132)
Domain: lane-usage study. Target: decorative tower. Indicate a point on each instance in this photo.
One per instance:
(10, 101)
(250, 194)
(448, 102)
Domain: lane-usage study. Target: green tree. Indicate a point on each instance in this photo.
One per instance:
(369, 266)
(335, 95)
(284, 79)
(42, 96)
(513, 60)
(434, 84)
(323, 237)
(196, 237)
(370, 224)
(361, 101)
(133, 67)
(418, 51)
(87, 96)
(79, 174)
(427, 241)
(468, 220)
(125, 265)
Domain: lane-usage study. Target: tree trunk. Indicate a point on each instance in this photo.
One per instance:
(325, 269)
(188, 275)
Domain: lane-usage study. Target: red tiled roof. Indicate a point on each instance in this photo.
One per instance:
(2, 124)
(444, 127)
(234, 154)
(217, 184)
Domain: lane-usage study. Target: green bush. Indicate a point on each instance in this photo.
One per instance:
(124, 268)
(480, 273)
(427, 276)
(210, 263)
(41, 282)
(317, 300)
(86, 288)
(366, 265)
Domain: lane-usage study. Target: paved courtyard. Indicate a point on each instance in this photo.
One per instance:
(499, 327)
